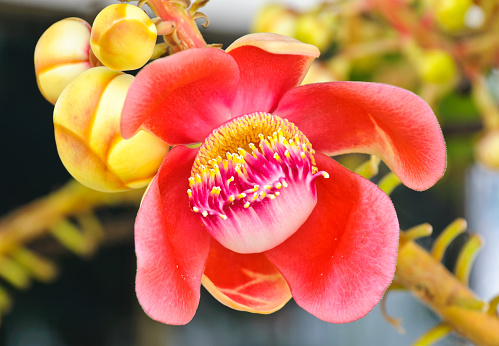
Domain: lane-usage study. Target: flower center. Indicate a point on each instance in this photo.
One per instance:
(249, 174)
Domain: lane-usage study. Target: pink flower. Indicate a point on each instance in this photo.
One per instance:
(256, 214)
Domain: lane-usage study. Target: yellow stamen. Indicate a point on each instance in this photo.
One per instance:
(240, 135)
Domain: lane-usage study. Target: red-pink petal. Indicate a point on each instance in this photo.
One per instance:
(182, 97)
(270, 65)
(247, 282)
(390, 122)
(170, 243)
(339, 263)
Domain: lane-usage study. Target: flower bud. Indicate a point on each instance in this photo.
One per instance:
(123, 37)
(277, 19)
(316, 29)
(487, 150)
(87, 133)
(436, 66)
(450, 14)
(61, 54)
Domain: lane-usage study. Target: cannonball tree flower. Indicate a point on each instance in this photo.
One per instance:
(259, 212)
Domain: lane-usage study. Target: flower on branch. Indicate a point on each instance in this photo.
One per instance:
(259, 212)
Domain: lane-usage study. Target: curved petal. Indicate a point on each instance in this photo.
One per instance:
(246, 282)
(379, 119)
(182, 97)
(170, 243)
(340, 262)
(270, 65)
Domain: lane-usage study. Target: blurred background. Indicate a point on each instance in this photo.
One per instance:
(88, 298)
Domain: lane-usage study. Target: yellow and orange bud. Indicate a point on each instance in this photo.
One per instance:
(123, 37)
(436, 66)
(87, 132)
(61, 54)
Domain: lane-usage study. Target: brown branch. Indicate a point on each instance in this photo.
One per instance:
(36, 218)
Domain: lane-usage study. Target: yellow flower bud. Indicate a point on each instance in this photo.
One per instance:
(277, 19)
(316, 29)
(87, 133)
(450, 14)
(61, 54)
(487, 150)
(123, 37)
(437, 66)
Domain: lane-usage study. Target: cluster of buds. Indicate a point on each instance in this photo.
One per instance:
(435, 48)
(79, 68)
(316, 26)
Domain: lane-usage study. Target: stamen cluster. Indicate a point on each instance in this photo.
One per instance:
(249, 173)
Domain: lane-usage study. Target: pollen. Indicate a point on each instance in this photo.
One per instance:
(248, 161)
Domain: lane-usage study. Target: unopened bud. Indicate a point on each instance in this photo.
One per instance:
(316, 29)
(87, 132)
(275, 18)
(436, 66)
(123, 37)
(61, 54)
(487, 150)
(450, 14)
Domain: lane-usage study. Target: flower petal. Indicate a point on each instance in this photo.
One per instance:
(379, 119)
(182, 97)
(170, 243)
(270, 65)
(248, 282)
(340, 262)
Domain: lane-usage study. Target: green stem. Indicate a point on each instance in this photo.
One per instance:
(433, 284)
